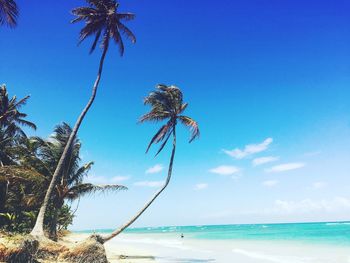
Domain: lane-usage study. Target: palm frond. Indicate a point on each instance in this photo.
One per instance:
(161, 134)
(154, 115)
(27, 123)
(101, 17)
(8, 13)
(127, 32)
(192, 124)
(165, 141)
(87, 188)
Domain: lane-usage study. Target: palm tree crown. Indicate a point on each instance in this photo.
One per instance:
(103, 20)
(8, 13)
(11, 120)
(9, 111)
(167, 104)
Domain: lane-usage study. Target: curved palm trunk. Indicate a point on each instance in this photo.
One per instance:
(132, 220)
(38, 229)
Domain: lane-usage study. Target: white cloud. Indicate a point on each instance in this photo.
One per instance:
(311, 206)
(263, 160)
(201, 186)
(270, 183)
(285, 167)
(225, 170)
(319, 185)
(249, 149)
(154, 169)
(149, 183)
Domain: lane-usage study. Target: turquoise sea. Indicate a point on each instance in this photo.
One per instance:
(337, 233)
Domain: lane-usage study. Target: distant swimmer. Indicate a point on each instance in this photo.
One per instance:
(182, 235)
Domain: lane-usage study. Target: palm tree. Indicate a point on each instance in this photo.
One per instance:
(11, 120)
(166, 105)
(104, 22)
(8, 13)
(71, 185)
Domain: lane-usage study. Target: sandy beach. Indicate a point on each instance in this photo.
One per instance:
(153, 248)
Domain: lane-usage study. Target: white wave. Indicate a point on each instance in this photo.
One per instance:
(337, 223)
(161, 242)
(271, 258)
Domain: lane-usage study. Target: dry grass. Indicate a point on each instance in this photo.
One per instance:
(90, 250)
(15, 249)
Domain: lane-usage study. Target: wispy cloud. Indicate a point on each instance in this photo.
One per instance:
(270, 183)
(288, 208)
(285, 167)
(201, 186)
(319, 185)
(263, 160)
(154, 169)
(309, 205)
(225, 170)
(149, 183)
(249, 149)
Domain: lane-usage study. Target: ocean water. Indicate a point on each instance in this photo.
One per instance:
(336, 233)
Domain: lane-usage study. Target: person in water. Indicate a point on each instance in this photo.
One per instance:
(182, 235)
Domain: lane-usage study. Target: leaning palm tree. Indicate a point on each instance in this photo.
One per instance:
(8, 13)
(166, 105)
(105, 23)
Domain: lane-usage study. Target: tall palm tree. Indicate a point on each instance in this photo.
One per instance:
(8, 13)
(166, 105)
(11, 120)
(43, 156)
(105, 23)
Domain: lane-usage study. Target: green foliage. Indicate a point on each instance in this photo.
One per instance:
(26, 169)
(11, 120)
(22, 192)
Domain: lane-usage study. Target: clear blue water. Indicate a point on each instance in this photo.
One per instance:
(337, 233)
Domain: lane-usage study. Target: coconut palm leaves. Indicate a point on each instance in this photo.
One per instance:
(11, 123)
(8, 13)
(167, 105)
(104, 22)
(10, 114)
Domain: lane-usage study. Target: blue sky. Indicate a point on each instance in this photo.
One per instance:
(266, 80)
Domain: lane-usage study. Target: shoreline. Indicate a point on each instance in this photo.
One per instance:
(146, 248)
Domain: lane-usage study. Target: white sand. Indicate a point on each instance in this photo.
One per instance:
(141, 248)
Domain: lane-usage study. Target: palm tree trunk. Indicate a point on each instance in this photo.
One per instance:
(132, 220)
(38, 230)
